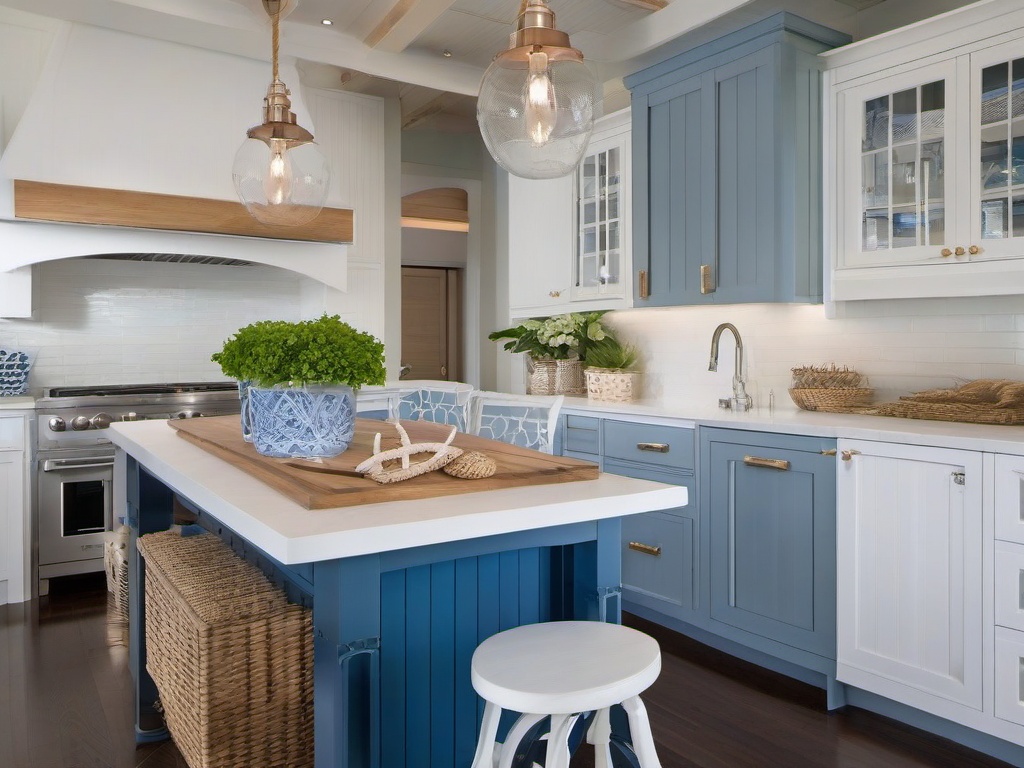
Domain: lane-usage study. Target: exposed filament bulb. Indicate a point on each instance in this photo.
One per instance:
(541, 106)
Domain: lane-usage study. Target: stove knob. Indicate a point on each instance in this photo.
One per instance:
(130, 416)
(101, 420)
(80, 423)
(57, 424)
(187, 414)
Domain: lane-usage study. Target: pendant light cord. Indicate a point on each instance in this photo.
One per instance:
(275, 42)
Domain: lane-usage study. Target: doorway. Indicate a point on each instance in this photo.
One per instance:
(431, 323)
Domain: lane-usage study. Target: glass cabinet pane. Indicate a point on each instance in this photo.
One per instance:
(1001, 150)
(598, 215)
(903, 168)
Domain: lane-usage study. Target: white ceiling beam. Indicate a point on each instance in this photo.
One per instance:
(646, 34)
(424, 112)
(404, 22)
(231, 28)
(647, 5)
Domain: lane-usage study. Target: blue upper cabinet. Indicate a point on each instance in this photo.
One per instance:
(727, 168)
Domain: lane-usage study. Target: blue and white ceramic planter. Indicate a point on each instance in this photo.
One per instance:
(243, 396)
(315, 421)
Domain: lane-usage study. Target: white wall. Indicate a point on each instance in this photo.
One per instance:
(433, 248)
(902, 346)
(112, 322)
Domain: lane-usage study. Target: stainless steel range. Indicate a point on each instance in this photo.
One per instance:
(75, 461)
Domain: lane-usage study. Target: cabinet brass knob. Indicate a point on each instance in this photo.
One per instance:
(554, 294)
(646, 549)
(946, 253)
(974, 250)
(757, 461)
(847, 455)
(959, 250)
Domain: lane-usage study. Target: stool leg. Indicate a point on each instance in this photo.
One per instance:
(515, 735)
(558, 741)
(640, 729)
(485, 746)
(600, 735)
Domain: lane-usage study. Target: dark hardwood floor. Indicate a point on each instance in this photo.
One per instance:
(65, 702)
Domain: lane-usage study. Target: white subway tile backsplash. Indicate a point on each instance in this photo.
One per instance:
(107, 322)
(902, 346)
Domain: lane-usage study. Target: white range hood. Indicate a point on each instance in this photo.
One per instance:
(119, 111)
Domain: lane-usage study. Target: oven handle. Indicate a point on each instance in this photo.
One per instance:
(51, 465)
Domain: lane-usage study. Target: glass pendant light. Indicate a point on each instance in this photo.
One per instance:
(536, 103)
(280, 174)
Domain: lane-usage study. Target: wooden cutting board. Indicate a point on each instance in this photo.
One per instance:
(334, 483)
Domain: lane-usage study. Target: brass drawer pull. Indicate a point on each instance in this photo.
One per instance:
(645, 289)
(647, 549)
(757, 461)
(653, 447)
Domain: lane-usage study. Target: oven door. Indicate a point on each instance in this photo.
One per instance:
(75, 510)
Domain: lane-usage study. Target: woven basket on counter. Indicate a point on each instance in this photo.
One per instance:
(835, 400)
(231, 658)
(557, 377)
(829, 388)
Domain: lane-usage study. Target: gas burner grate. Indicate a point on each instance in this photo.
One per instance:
(143, 389)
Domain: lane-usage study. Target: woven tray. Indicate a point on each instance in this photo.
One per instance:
(231, 658)
(965, 412)
(835, 400)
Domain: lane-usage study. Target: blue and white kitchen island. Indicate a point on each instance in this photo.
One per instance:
(401, 592)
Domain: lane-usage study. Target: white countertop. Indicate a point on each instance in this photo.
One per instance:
(17, 403)
(292, 534)
(786, 418)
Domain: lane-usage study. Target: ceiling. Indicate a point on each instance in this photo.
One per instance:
(431, 54)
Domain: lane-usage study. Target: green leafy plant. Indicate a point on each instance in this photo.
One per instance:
(558, 338)
(321, 351)
(612, 355)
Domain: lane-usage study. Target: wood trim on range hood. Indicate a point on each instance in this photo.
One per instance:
(43, 201)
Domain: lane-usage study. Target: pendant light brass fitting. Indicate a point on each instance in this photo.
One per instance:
(535, 32)
(279, 122)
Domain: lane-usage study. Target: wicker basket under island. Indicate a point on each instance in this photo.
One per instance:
(231, 658)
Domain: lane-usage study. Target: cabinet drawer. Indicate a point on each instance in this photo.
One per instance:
(1009, 498)
(12, 432)
(582, 434)
(1009, 585)
(659, 558)
(649, 444)
(1009, 675)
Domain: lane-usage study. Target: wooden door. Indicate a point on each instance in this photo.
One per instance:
(431, 323)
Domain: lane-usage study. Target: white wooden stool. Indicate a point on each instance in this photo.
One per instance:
(563, 669)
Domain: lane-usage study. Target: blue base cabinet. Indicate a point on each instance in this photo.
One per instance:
(749, 565)
(770, 505)
(727, 168)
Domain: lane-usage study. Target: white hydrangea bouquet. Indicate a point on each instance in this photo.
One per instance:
(561, 337)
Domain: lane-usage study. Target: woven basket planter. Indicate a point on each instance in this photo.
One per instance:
(231, 658)
(611, 385)
(556, 377)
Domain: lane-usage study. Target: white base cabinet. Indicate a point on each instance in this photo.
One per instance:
(909, 573)
(13, 509)
(931, 581)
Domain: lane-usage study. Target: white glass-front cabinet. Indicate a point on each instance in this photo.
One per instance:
(569, 238)
(927, 159)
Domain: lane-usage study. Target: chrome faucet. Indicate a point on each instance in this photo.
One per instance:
(740, 399)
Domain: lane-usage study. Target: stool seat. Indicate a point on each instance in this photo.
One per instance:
(565, 666)
(563, 669)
